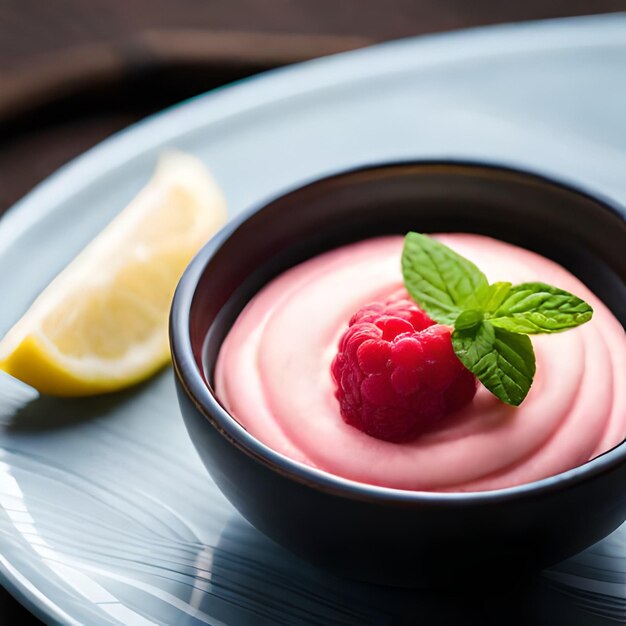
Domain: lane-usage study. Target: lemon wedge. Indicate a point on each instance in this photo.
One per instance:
(101, 324)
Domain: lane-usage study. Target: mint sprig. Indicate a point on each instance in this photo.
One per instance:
(491, 322)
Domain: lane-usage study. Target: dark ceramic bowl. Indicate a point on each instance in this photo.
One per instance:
(375, 533)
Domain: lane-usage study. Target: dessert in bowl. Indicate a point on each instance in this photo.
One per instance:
(488, 486)
(274, 376)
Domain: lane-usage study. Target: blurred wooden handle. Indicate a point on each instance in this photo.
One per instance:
(70, 71)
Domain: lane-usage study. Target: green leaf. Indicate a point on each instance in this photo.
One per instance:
(490, 321)
(441, 281)
(469, 319)
(533, 308)
(504, 362)
(494, 296)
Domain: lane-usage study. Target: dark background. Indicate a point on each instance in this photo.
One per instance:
(73, 72)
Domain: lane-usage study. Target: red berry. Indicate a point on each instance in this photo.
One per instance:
(396, 373)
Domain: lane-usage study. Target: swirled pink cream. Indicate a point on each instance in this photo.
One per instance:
(273, 376)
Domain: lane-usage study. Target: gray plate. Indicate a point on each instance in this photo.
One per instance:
(106, 515)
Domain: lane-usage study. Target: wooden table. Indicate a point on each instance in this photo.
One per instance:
(73, 72)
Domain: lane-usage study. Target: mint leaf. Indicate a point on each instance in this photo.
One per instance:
(469, 319)
(441, 281)
(491, 322)
(494, 296)
(533, 308)
(504, 362)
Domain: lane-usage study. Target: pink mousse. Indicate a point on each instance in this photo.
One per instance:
(273, 375)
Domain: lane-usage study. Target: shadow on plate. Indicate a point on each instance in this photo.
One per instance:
(254, 581)
(22, 409)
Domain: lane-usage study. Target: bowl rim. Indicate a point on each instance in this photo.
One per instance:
(192, 381)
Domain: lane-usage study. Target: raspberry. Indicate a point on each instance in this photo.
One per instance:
(396, 373)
